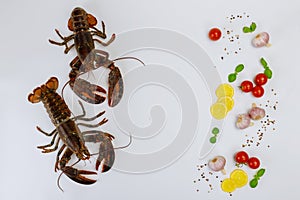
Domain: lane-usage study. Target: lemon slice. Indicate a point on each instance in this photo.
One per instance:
(228, 185)
(218, 111)
(228, 101)
(239, 177)
(224, 90)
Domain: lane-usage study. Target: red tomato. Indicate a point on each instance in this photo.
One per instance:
(253, 163)
(260, 79)
(241, 157)
(258, 91)
(246, 86)
(215, 34)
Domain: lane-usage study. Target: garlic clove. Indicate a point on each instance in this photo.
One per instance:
(243, 121)
(261, 39)
(256, 113)
(217, 164)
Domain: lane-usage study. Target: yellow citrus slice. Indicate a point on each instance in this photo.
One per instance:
(228, 185)
(225, 90)
(228, 101)
(239, 177)
(218, 111)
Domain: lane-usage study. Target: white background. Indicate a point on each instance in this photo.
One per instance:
(27, 60)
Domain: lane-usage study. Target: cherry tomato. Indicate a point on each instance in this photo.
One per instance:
(258, 91)
(214, 34)
(246, 86)
(260, 79)
(253, 163)
(241, 157)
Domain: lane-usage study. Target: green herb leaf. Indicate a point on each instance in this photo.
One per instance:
(253, 183)
(213, 139)
(253, 26)
(246, 29)
(260, 172)
(249, 29)
(263, 62)
(215, 131)
(268, 72)
(232, 77)
(239, 68)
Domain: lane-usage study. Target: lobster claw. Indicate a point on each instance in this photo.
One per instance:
(115, 86)
(88, 92)
(76, 176)
(106, 155)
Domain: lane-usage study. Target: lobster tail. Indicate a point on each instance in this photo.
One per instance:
(38, 93)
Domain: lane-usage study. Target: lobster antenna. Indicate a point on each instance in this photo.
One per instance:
(121, 147)
(58, 179)
(62, 96)
(127, 145)
(62, 90)
(129, 57)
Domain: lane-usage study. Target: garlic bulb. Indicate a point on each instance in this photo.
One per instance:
(261, 39)
(243, 121)
(256, 113)
(217, 164)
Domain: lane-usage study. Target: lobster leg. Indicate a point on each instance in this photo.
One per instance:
(73, 173)
(54, 133)
(65, 41)
(82, 116)
(50, 144)
(90, 118)
(102, 33)
(45, 133)
(106, 155)
(50, 150)
(104, 43)
(93, 125)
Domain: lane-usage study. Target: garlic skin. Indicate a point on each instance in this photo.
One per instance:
(256, 113)
(261, 40)
(243, 121)
(217, 164)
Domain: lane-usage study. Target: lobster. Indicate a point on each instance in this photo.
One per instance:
(88, 58)
(68, 133)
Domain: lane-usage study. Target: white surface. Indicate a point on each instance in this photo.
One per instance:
(28, 60)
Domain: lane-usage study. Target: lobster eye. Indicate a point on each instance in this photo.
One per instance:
(91, 20)
(70, 24)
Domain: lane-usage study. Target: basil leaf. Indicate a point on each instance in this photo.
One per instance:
(253, 27)
(213, 139)
(246, 29)
(268, 73)
(261, 172)
(253, 183)
(232, 77)
(215, 131)
(239, 68)
(263, 62)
